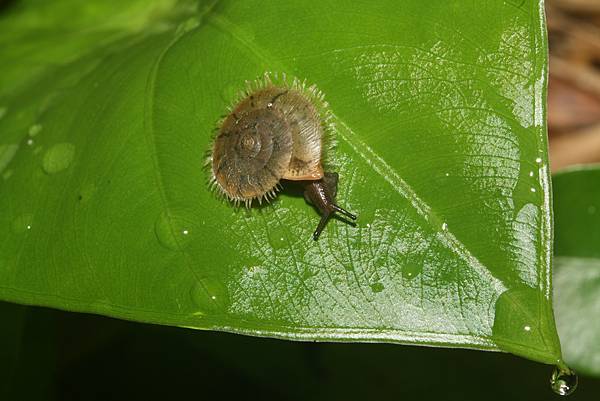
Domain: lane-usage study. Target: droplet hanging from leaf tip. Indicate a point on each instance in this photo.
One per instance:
(563, 380)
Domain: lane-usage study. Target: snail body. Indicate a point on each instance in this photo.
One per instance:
(275, 132)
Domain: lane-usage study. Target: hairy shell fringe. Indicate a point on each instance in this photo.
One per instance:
(313, 94)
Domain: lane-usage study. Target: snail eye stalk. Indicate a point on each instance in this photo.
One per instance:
(321, 194)
(344, 212)
(321, 226)
(325, 217)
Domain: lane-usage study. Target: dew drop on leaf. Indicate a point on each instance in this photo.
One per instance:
(7, 152)
(58, 158)
(517, 322)
(173, 230)
(209, 295)
(35, 129)
(377, 287)
(22, 223)
(563, 381)
(277, 238)
(411, 270)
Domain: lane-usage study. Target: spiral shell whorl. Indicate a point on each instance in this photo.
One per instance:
(251, 154)
(276, 131)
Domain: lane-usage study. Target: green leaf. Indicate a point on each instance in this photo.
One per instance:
(577, 266)
(440, 116)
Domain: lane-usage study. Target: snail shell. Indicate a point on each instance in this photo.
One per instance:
(276, 131)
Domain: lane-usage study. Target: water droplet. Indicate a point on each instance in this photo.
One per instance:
(173, 231)
(209, 295)
(35, 129)
(532, 189)
(7, 152)
(563, 381)
(2, 111)
(447, 174)
(277, 238)
(377, 287)
(411, 270)
(58, 158)
(531, 173)
(538, 160)
(22, 223)
(444, 226)
(30, 142)
(515, 310)
(591, 209)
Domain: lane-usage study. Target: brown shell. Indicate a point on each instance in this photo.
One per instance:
(275, 132)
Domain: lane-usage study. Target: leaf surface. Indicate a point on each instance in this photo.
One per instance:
(441, 149)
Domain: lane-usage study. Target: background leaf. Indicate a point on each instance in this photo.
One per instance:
(577, 265)
(440, 122)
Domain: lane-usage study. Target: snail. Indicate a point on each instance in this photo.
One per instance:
(275, 132)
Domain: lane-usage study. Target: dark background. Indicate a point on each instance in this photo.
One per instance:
(54, 355)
